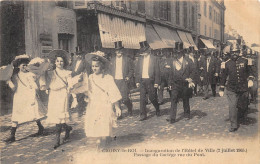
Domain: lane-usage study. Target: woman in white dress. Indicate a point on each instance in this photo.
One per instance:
(59, 82)
(103, 95)
(27, 106)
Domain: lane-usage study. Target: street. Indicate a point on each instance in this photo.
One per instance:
(209, 120)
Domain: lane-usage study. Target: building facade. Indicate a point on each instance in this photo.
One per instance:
(95, 25)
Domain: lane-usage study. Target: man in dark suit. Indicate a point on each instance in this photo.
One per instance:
(180, 81)
(210, 71)
(147, 78)
(164, 74)
(122, 70)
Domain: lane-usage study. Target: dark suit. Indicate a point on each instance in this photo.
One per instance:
(123, 84)
(209, 77)
(180, 87)
(164, 73)
(147, 84)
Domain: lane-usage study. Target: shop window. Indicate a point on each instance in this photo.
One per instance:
(62, 4)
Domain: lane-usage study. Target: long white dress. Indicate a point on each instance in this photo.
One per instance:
(58, 103)
(27, 106)
(100, 117)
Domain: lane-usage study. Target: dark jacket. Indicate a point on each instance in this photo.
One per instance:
(127, 65)
(209, 76)
(238, 72)
(187, 71)
(154, 69)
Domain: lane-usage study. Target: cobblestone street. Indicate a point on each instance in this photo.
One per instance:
(209, 120)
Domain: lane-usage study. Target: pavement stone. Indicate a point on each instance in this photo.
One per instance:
(209, 120)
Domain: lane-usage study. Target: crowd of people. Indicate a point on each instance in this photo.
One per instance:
(106, 84)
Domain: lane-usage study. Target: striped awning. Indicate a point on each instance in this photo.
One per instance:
(153, 38)
(114, 29)
(186, 43)
(191, 41)
(208, 43)
(166, 35)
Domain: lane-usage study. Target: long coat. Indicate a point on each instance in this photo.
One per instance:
(209, 76)
(127, 66)
(187, 72)
(154, 69)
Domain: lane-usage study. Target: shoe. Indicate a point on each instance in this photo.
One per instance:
(158, 113)
(58, 132)
(143, 118)
(232, 129)
(120, 117)
(12, 136)
(171, 120)
(40, 131)
(205, 98)
(130, 113)
(187, 116)
(67, 134)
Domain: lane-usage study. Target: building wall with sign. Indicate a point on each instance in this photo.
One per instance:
(48, 27)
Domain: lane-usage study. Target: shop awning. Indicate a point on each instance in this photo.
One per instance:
(186, 43)
(191, 41)
(118, 29)
(208, 43)
(153, 38)
(166, 35)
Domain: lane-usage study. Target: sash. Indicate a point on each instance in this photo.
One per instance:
(21, 81)
(99, 87)
(61, 78)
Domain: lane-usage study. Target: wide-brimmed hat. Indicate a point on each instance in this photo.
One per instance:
(6, 72)
(38, 65)
(97, 56)
(179, 46)
(59, 53)
(144, 46)
(21, 59)
(118, 45)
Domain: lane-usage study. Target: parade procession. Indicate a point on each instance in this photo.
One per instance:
(103, 74)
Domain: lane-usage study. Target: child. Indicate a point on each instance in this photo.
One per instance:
(59, 81)
(103, 95)
(26, 104)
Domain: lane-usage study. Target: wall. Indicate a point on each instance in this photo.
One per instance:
(41, 26)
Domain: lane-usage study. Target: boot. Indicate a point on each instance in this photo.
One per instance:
(12, 136)
(58, 131)
(41, 128)
(67, 134)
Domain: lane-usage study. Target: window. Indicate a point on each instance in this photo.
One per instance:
(185, 14)
(64, 41)
(62, 4)
(162, 10)
(205, 9)
(205, 30)
(121, 5)
(209, 31)
(210, 12)
(177, 12)
(141, 6)
(193, 17)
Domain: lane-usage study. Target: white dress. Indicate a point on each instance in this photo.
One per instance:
(100, 117)
(27, 106)
(58, 104)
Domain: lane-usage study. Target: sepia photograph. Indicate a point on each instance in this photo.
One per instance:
(132, 81)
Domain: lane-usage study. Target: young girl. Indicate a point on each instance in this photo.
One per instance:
(103, 95)
(59, 82)
(26, 104)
